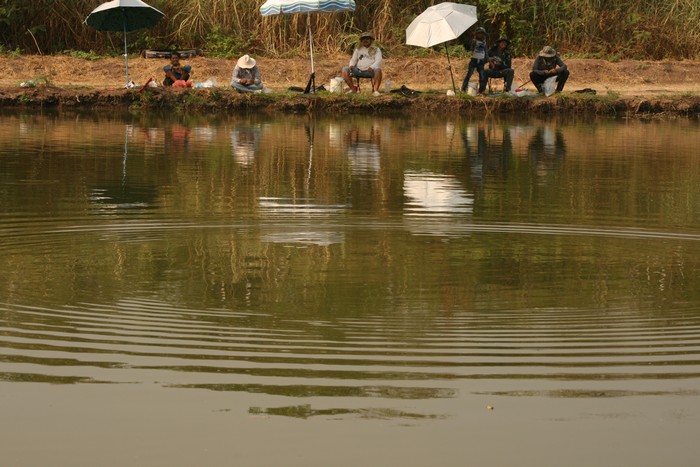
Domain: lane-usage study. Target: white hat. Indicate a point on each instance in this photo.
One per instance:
(246, 62)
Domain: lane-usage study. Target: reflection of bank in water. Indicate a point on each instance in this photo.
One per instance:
(244, 143)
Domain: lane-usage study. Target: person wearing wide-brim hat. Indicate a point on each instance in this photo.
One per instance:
(548, 64)
(500, 62)
(366, 62)
(246, 75)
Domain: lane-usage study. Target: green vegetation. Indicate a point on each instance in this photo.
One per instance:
(225, 101)
(90, 55)
(611, 29)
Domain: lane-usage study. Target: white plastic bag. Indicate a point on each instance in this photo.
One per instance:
(336, 84)
(549, 85)
(210, 83)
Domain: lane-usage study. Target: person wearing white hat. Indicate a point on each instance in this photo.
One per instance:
(548, 64)
(366, 62)
(246, 75)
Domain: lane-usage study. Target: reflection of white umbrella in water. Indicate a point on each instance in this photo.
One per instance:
(439, 24)
(432, 194)
(123, 16)
(278, 7)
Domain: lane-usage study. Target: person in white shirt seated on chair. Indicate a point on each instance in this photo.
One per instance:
(366, 62)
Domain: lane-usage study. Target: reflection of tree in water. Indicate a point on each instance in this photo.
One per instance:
(546, 150)
(244, 143)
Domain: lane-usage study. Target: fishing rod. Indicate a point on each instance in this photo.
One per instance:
(520, 88)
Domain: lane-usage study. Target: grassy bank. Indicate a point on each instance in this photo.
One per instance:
(225, 100)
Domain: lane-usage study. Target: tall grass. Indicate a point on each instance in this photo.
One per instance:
(615, 29)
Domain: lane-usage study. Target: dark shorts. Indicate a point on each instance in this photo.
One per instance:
(357, 73)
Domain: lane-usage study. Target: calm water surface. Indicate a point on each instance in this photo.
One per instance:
(348, 291)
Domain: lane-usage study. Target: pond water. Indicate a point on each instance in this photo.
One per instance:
(348, 291)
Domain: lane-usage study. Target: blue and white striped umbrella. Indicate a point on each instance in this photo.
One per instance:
(278, 7)
(285, 7)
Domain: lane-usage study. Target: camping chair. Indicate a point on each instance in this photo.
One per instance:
(491, 66)
(491, 87)
(357, 82)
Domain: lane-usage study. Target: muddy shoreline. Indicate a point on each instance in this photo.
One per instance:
(223, 99)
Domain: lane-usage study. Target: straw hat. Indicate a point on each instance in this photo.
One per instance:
(547, 52)
(368, 35)
(246, 62)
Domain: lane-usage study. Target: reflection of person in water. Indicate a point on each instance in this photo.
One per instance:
(363, 149)
(177, 139)
(244, 143)
(547, 148)
(492, 155)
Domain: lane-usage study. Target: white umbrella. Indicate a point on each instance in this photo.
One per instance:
(123, 15)
(278, 7)
(439, 24)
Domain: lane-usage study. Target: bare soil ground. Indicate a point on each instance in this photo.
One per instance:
(626, 78)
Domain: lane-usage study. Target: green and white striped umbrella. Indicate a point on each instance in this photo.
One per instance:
(125, 16)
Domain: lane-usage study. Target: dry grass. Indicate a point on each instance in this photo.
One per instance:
(618, 29)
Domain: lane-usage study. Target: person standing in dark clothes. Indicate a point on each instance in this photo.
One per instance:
(478, 48)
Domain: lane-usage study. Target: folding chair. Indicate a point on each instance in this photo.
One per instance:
(357, 82)
(491, 88)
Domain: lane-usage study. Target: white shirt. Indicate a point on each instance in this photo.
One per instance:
(362, 59)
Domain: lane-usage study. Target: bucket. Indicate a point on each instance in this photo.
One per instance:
(472, 90)
(336, 84)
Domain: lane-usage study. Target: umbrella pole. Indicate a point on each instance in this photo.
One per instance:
(311, 44)
(454, 88)
(126, 56)
(311, 85)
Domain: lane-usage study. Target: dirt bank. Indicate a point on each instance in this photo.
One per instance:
(622, 88)
(639, 78)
